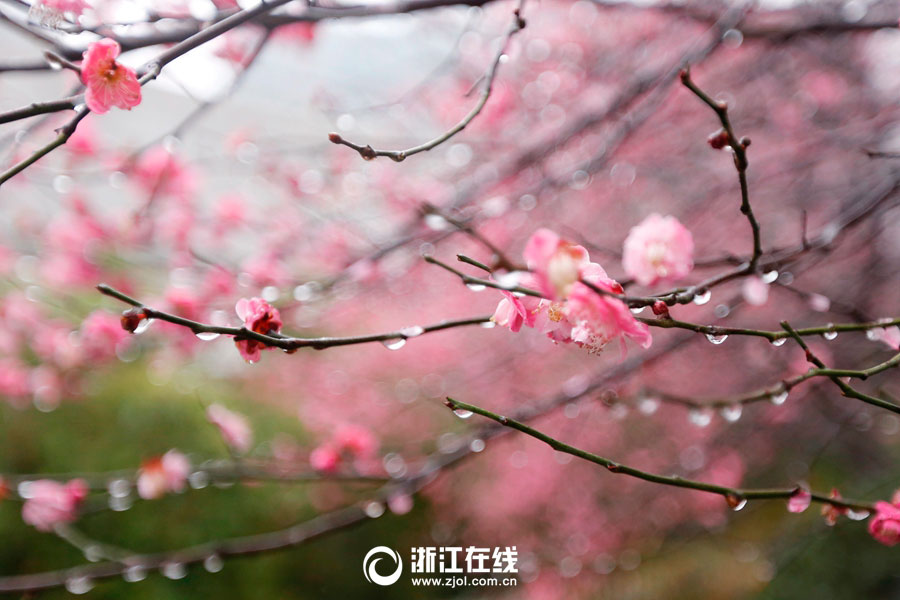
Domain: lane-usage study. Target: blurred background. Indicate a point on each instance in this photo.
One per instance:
(222, 185)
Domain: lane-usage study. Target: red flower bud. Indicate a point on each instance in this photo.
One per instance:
(132, 318)
(718, 140)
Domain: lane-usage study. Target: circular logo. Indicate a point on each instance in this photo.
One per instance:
(371, 560)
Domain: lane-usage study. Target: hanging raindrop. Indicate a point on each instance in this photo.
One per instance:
(779, 398)
(394, 344)
(207, 336)
(79, 585)
(142, 326)
(134, 573)
(857, 515)
(732, 412)
(648, 406)
(716, 339)
(463, 414)
(475, 287)
(735, 502)
(213, 563)
(769, 276)
(702, 298)
(779, 342)
(488, 325)
(638, 310)
(830, 335)
(701, 417)
(173, 570)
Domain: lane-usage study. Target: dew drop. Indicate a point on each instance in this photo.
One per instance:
(413, 331)
(374, 510)
(732, 412)
(779, 398)
(830, 335)
(871, 335)
(394, 344)
(79, 585)
(769, 276)
(475, 287)
(778, 342)
(701, 417)
(462, 414)
(134, 573)
(436, 222)
(701, 299)
(857, 515)
(488, 325)
(735, 502)
(142, 326)
(198, 480)
(638, 310)
(716, 339)
(173, 570)
(213, 563)
(648, 406)
(207, 336)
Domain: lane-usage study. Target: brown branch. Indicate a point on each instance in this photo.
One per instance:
(369, 153)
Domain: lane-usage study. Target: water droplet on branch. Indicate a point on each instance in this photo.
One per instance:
(716, 339)
(394, 344)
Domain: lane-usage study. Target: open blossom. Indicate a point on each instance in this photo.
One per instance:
(577, 314)
(108, 82)
(163, 474)
(234, 427)
(885, 525)
(259, 316)
(51, 503)
(659, 248)
(555, 263)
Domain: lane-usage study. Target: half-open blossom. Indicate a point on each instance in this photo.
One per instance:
(555, 263)
(259, 316)
(597, 319)
(108, 82)
(799, 500)
(659, 248)
(234, 427)
(51, 503)
(512, 313)
(885, 525)
(163, 474)
(831, 512)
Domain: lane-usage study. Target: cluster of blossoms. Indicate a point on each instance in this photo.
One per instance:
(570, 312)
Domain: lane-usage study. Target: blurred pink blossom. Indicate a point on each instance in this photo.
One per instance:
(658, 249)
(51, 503)
(163, 474)
(885, 525)
(233, 426)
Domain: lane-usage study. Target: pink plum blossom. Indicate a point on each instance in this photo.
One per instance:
(555, 263)
(108, 82)
(163, 474)
(888, 335)
(512, 313)
(755, 291)
(356, 440)
(325, 458)
(658, 249)
(259, 316)
(885, 525)
(233, 427)
(51, 503)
